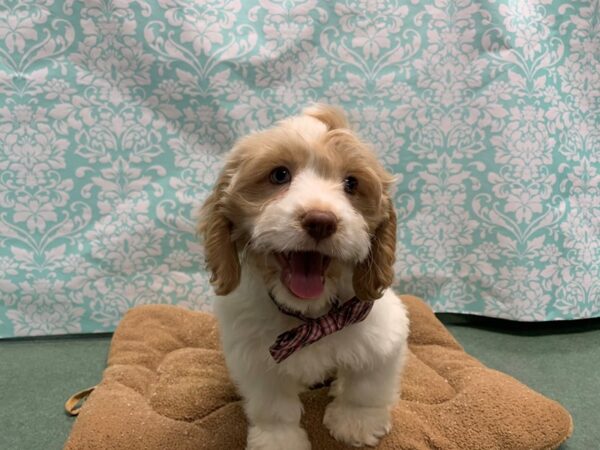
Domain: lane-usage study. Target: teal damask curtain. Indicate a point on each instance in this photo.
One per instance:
(114, 117)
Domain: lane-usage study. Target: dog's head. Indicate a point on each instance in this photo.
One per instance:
(307, 203)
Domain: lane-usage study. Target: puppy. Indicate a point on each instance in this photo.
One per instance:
(299, 236)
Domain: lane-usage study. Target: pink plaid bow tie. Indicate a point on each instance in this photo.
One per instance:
(312, 330)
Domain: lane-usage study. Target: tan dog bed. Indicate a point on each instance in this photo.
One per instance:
(166, 388)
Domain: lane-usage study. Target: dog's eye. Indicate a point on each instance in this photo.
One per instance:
(280, 175)
(350, 185)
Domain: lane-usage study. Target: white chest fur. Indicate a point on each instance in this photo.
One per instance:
(250, 323)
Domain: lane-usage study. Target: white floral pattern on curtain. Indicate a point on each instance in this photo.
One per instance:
(115, 115)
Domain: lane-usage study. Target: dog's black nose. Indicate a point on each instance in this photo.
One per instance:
(319, 224)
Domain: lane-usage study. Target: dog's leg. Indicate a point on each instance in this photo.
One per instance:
(360, 413)
(273, 410)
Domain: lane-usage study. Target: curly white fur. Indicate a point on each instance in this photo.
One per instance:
(366, 357)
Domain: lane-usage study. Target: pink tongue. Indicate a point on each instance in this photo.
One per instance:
(305, 278)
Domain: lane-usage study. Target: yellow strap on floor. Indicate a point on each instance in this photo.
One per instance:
(75, 401)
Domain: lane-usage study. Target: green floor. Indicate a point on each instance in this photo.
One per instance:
(561, 360)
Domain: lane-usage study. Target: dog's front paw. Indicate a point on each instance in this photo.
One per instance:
(277, 437)
(357, 425)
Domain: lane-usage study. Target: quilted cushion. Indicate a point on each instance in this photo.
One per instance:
(166, 387)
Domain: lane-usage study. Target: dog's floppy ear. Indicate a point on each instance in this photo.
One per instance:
(215, 230)
(376, 273)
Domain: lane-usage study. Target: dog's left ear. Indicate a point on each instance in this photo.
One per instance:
(376, 273)
(215, 230)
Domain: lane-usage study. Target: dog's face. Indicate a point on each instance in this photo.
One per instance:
(307, 203)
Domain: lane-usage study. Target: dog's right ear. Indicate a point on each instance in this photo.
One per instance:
(215, 230)
(376, 273)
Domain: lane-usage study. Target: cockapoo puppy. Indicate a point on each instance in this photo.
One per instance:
(299, 235)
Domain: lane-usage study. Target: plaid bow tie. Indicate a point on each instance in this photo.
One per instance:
(312, 330)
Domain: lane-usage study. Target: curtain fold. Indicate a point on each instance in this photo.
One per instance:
(115, 116)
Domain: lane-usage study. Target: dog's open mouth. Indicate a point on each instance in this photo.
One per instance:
(303, 273)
